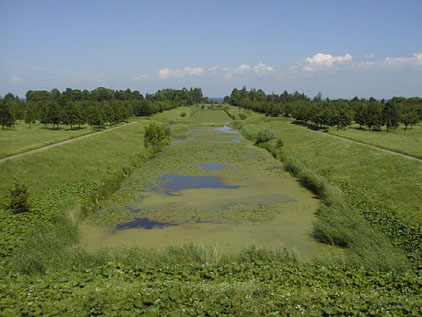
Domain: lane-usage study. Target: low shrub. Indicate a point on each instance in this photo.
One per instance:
(236, 124)
(264, 136)
(19, 199)
(242, 116)
(155, 135)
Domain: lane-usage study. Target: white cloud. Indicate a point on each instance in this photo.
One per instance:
(217, 69)
(261, 70)
(15, 80)
(364, 65)
(166, 73)
(323, 61)
(140, 77)
(369, 55)
(239, 70)
(389, 63)
(242, 69)
(416, 59)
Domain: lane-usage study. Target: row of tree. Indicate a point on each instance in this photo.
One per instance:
(182, 96)
(97, 107)
(340, 113)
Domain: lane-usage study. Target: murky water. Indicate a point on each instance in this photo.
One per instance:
(225, 129)
(176, 183)
(233, 141)
(185, 140)
(213, 166)
(212, 191)
(142, 223)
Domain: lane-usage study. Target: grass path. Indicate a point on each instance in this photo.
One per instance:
(44, 148)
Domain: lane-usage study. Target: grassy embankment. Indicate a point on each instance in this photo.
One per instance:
(23, 138)
(180, 280)
(398, 140)
(366, 185)
(67, 177)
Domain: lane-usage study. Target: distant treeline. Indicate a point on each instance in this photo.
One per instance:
(97, 107)
(340, 113)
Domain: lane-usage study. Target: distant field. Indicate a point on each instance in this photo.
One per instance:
(206, 116)
(177, 115)
(407, 142)
(24, 138)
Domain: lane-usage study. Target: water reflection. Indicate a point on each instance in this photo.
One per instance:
(176, 183)
(213, 166)
(142, 223)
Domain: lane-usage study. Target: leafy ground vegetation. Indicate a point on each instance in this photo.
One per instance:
(43, 272)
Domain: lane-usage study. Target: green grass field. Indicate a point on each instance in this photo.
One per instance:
(45, 273)
(407, 142)
(23, 138)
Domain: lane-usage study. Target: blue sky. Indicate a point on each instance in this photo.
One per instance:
(341, 48)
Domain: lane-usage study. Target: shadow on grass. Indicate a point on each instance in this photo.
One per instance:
(310, 126)
(75, 128)
(53, 128)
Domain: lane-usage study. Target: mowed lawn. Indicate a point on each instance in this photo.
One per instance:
(23, 138)
(407, 142)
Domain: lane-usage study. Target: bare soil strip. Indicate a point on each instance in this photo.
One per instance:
(44, 148)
